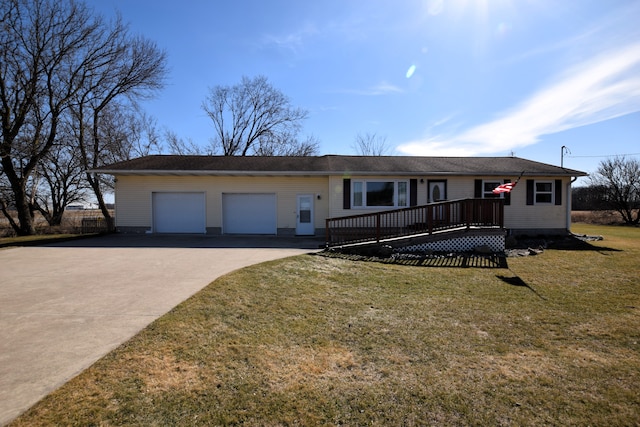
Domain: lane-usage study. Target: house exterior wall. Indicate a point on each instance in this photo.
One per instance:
(520, 218)
(134, 198)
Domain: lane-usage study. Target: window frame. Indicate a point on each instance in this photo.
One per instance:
(362, 197)
(551, 193)
(490, 193)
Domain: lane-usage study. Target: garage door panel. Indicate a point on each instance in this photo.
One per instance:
(179, 213)
(245, 213)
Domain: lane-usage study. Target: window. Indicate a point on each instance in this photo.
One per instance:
(487, 189)
(544, 192)
(402, 193)
(380, 193)
(358, 197)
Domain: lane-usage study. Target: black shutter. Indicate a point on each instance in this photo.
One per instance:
(477, 193)
(507, 196)
(530, 192)
(413, 192)
(346, 193)
(558, 191)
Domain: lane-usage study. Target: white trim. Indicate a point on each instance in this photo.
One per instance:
(395, 193)
(551, 193)
(493, 196)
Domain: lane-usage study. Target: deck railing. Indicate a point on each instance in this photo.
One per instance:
(424, 219)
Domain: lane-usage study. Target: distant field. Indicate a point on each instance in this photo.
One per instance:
(71, 222)
(596, 217)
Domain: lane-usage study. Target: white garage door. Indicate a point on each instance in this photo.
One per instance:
(178, 213)
(249, 213)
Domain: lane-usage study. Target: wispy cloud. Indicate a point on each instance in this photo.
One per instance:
(293, 41)
(595, 90)
(345, 30)
(382, 88)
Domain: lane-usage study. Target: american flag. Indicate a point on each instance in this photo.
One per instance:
(504, 188)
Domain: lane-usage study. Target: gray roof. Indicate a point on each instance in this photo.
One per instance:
(333, 165)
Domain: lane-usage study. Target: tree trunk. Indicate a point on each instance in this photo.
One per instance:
(5, 210)
(95, 185)
(25, 226)
(25, 218)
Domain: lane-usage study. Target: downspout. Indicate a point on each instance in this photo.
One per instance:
(568, 192)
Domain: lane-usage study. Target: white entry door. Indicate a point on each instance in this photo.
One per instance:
(437, 191)
(305, 224)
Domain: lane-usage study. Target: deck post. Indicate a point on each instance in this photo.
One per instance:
(327, 232)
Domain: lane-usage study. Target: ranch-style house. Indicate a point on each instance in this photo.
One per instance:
(302, 195)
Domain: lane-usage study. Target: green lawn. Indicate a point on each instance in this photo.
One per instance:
(311, 340)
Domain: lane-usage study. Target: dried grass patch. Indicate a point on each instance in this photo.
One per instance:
(163, 372)
(604, 217)
(286, 368)
(319, 341)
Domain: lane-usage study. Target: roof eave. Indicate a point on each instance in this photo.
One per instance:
(165, 172)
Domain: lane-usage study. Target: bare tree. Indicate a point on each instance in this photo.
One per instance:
(180, 146)
(62, 182)
(131, 68)
(249, 114)
(144, 138)
(589, 198)
(371, 144)
(45, 48)
(60, 63)
(287, 145)
(621, 178)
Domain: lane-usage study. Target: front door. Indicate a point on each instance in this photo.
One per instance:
(437, 193)
(304, 224)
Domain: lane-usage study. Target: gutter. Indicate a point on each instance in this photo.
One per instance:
(568, 193)
(156, 172)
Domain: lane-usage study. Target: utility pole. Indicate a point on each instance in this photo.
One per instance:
(563, 149)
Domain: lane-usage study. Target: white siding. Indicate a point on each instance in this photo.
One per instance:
(134, 205)
(518, 215)
(133, 195)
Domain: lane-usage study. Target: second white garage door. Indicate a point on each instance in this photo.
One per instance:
(244, 213)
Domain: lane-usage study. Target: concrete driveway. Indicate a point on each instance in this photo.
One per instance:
(63, 306)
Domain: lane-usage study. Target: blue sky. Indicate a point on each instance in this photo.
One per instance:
(434, 77)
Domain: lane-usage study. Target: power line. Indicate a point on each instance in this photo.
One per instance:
(607, 155)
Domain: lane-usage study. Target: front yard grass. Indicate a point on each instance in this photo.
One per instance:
(311, 340)
(39, 239)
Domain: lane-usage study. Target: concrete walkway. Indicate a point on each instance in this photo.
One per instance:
(64, 306)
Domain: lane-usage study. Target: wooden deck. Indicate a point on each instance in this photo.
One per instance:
(424, 219)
